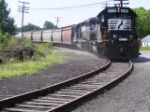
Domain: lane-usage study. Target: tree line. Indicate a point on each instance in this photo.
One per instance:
(7, 23)
(31, 27)
(143, 21)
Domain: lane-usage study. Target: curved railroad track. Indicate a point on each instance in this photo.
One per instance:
(62, 95)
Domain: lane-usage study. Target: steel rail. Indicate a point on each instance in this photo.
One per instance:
(60, 100)
(101, 88)
(41, 92)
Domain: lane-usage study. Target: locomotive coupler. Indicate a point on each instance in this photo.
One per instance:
(123, 49)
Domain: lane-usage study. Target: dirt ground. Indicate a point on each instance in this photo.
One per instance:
(79, 63)
(131, 95)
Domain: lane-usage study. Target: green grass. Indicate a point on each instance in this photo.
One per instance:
(29, 67)
(145, 48)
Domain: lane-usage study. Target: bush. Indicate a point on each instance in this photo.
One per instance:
(2, 41)
(47, 45)
(12, 41)
(40, 52)
(50, 44)
(7, 35)
(26, 43)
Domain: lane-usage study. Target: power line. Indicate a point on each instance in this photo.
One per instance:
(73, 7)
(58, 10)
(77, 12)
(106, 4)
(23, 9)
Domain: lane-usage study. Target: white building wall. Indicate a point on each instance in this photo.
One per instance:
(145, 44)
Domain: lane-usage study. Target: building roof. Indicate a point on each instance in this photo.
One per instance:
(146, 39)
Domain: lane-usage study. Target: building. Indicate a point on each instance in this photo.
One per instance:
(146, 41)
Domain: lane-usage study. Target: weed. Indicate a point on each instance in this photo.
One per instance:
(50, 44)
(2, 41)
(26, 43)
(44, 57)
(145, 48)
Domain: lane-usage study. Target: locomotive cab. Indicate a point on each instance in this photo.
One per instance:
(119, 32)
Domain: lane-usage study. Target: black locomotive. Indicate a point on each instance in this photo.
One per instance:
(113, 33)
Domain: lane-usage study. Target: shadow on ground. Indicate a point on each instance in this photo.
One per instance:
(141, 59)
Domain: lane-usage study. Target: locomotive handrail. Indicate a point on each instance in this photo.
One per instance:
(103, 37)
(137, 30)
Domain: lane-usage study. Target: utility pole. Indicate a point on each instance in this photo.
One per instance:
(57, 20)
(23, 9)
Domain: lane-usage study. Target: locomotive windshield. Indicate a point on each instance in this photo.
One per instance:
(117, 10)
(124, 16)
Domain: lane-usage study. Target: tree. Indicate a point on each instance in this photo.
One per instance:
(10, 27)
(143, 20)
(30, 27)
(6, 22)
(48, 25)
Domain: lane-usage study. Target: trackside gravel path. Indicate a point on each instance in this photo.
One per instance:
(79, 63)
(131, 95)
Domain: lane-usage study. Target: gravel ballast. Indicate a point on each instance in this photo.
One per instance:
(79, 63)
(131, 95)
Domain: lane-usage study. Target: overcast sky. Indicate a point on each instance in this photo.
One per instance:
(38, 16)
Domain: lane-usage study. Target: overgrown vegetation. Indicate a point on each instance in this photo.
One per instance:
(143, 21)
(43, 56)
(3, 41)
(145, 48)
(15, 68)
(41, 50)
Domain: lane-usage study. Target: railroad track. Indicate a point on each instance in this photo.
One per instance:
(62, 95)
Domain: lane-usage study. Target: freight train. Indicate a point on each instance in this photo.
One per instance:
(113, 33)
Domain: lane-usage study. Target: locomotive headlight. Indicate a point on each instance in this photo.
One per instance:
(114, 36)
(131, 37)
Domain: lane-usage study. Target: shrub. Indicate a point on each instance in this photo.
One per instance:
(12, 41)
(50, 44)
(26, 43)
(40, 52)
(2, 41)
